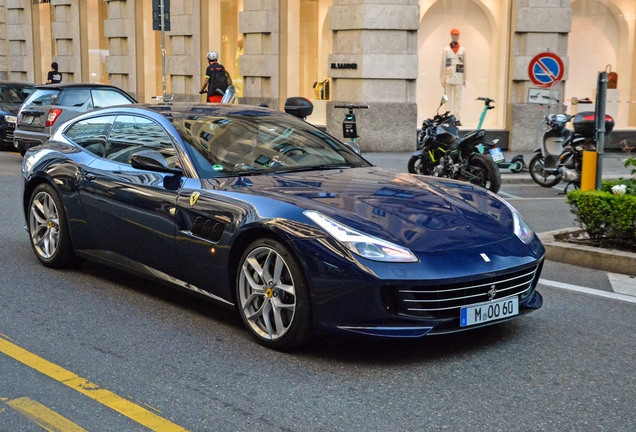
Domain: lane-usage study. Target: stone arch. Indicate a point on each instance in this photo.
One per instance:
(484, 55)
(598, 38)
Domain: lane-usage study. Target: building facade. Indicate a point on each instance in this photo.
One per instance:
(386, 54)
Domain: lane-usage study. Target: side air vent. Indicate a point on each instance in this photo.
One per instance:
(208, 229)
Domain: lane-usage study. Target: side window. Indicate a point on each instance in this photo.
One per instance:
(76, 98)
(106, 98)
(131, 134)
(91, 133)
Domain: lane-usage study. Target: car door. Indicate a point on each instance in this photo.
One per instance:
(130, 212)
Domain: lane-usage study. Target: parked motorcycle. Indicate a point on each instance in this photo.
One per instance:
(560, 155)
(441, 153)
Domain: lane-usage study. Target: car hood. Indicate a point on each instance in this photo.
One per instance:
(422, 213)
(10, 108)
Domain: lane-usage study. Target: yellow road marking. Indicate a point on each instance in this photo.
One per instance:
(103, 396)
(43, 416)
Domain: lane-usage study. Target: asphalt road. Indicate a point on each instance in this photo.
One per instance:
(569, 366)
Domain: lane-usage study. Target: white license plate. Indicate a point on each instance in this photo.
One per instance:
(496, 154)
(490, 311)
(27, 119)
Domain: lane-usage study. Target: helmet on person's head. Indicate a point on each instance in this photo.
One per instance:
(213, 55)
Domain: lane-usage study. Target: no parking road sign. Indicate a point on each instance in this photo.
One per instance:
(545, 69)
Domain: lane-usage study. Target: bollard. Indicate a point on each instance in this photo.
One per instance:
(588, 171)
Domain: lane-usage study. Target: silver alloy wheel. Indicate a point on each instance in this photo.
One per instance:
(44, 225)
(266, 293)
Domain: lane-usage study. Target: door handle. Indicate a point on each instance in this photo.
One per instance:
(89, 176)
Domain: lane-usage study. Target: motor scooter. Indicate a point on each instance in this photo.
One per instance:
(560, 154)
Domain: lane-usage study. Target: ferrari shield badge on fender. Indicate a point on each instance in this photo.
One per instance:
(193, 198)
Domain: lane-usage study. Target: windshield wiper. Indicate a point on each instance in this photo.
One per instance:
(311, 168)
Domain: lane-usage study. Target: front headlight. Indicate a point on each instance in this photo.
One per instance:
(11, 119)
(362, 244)
(521, 227)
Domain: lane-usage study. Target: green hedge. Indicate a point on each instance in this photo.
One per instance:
(604, 214)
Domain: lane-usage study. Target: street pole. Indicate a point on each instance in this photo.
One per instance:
(601, 99)
(163, 51)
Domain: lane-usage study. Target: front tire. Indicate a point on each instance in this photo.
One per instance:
(273, 296)
(48, 228)
(485, 172)
(519, 164)
(420, 165)
(539, 174)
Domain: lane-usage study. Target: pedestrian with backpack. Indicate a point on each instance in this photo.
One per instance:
(217, 80)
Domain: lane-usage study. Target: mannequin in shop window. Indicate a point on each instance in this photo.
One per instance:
(453, 73)
(238, 79)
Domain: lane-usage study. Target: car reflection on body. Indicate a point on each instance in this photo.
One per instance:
(265, 213)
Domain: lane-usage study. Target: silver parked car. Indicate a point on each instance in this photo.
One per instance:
(50, 105)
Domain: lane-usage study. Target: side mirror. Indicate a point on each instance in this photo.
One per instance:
(444, 100)
(152, 160)
(299, 107)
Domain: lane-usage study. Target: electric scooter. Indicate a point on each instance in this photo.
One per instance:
(516, 164)
(349, 129)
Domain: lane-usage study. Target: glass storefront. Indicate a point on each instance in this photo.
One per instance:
(602, 38)
(484, 34)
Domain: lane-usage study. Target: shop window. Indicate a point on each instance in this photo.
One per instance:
(602, 37)
(484, 34)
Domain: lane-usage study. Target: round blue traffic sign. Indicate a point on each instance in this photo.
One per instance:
(545, 69)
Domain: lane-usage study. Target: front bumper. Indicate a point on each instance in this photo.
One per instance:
(350, 296)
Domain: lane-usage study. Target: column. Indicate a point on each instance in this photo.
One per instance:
(121, 62)
(19, 38)
(260, 23)
(65, 32)
(374, 62)
(538, 26)
(182, 65)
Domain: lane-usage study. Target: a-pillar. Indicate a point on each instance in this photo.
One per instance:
(374, 62)
(539, 26)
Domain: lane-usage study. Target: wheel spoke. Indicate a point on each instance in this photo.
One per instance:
(278, 319)
(281, 305)
(253, 284)
(289, 289)
(267, 308)
(267, 265)
(37, 210)
(278, 269)
(254, 317)
(256, 266)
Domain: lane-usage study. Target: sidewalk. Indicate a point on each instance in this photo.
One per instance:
(613, 165)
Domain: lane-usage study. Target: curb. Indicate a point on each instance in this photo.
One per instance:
(609, 260)
(524, 178)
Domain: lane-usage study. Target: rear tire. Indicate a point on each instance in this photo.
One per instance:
(486, 173)
(48, 228)
(539, 175)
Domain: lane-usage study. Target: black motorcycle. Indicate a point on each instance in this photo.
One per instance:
(441, 153)
(560, 155)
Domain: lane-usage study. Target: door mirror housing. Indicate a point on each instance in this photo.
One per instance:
(152, 160)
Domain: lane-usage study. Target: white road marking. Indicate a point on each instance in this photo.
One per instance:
(623, 284)
(599, 293)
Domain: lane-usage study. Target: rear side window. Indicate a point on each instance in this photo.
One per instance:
(42, 97)
(106, 98)
(76, 98)
(91, 133)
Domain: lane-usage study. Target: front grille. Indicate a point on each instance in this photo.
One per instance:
(445, 300)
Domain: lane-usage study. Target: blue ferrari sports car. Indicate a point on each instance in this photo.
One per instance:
(262, 212)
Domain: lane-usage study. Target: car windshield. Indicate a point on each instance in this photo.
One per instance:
(14, 94)
(258, 144)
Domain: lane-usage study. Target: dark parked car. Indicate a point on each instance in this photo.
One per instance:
(267, 214)
(50, 105)
(12, 96)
